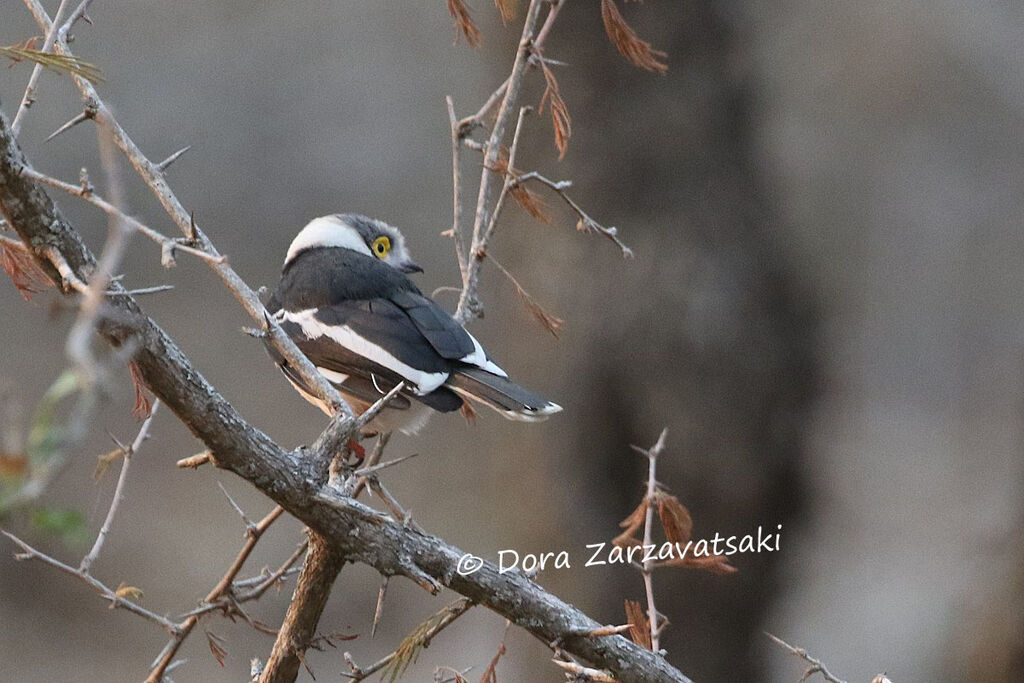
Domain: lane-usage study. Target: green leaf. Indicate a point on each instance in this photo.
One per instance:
(67, 523)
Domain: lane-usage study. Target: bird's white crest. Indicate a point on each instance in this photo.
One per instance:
(326, 231)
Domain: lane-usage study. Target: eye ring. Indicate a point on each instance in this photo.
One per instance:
(381, 246)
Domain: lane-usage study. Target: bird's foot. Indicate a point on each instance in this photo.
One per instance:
(356, 449)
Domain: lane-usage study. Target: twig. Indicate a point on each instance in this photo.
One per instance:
(817, 666)
(291, 477)
(78, 14)
(366, 471)
(652, 484)
(468, 124)
(153, 178)
(90, 196)
(30, 90)
(166, 656)
(587, 223)
(126, 458)
(249, 526)
(30, 553)
(469, 305)
(452, 612)
(456, 231)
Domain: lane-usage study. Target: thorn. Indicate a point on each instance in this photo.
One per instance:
(84, 116)
(380, 606)
(193, 232)
(163, 165)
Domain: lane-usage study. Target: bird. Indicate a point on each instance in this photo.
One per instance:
(345, 298)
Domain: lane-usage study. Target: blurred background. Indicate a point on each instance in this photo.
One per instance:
(824, 201)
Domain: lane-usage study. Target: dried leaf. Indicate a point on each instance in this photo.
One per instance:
(103, 461)
(507, 9)
(67, 64)
(13, 465)
(531, 201)
(636, 517)
(216, 647)
(717, 564)
(491, 672)
(127, 592)
(637, 51)
(639, 624)
(21, 267)
(468, 412)
(560, 119)
(464, 23)
(551, 323)
(143, 398)
(675, 518)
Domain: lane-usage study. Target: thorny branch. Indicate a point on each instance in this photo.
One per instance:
(214, 599)
(162, 366)
(295, 478)
(154, 179)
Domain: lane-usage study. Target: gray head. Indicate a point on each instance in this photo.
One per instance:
(358, 233)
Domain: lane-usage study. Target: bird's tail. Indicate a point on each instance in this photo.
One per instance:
(508, 398)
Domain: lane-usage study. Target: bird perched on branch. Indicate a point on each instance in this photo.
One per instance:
(346, 301)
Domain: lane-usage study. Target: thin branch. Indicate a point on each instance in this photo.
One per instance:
(295, 478)
(817, 666)
(75, 17)
(469, 305)
(30, 90)
(586, 223)
(85, 192)
(30, 553)
(154, 179)
(167, 655)
(652, 485)
(456, 231)
(126, 458)
(450, 614)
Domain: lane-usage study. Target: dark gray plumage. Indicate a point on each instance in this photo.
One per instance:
(346, 303)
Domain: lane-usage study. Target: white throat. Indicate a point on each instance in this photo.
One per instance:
(326, 231)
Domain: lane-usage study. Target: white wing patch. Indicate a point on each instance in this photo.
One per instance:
(422, 382)
(479, 358)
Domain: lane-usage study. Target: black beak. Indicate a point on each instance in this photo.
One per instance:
(410, 267)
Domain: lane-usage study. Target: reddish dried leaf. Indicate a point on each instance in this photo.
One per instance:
(531, 201)
(468, 412)
(219, 653)
(491, 673)
(626, 540)
(637, 51)
(143, 399)
(25, 273)
(28, 44)
(464, 23)
(13, 464)
(560, 119)
(507, 9)
(639, 624)
(675, 518)
(551, 323)
(636, 518)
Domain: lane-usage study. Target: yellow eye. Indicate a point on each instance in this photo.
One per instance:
(381, 246)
